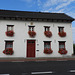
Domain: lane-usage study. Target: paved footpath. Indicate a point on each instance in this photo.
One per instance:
(37, 59)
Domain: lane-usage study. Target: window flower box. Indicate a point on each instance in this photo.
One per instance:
(62, 34)
(62, 51)
(8, 51)
(48, 51)
(32, 33)
(9, 33)
(48, 33)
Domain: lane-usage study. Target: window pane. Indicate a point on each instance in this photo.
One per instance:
(62, 45)
(9, 45)
(47, 28)
(46, 44)
(31, 28)
(10, 28)
(61, 29)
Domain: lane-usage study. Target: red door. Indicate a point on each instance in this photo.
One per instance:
(30, 48)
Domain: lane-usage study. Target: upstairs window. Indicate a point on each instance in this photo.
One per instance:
(31, 31)
(61, 32)
(8, 44)
(47, 44)
(47, 31)
(61, 29)
(9, 27)
(61, 45)
(31, 28)
(47, 28)
(10, 31)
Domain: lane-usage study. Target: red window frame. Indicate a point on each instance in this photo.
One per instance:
(31, 28)
(8, 42)
(59, 28)
(47, 28)
(10, 26)
(61, 43)
(47, 42)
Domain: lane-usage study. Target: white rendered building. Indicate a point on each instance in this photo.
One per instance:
(35, 34)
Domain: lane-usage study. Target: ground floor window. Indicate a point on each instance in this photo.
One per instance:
(47, 44)
(47, 47)
(8, 44)
(8, 48)
(62, 49)
(61, 45)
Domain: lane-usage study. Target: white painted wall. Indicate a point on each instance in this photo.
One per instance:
(21, 36)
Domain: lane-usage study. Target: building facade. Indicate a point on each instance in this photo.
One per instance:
(35, 34)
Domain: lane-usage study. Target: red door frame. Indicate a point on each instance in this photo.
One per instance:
(30, 48)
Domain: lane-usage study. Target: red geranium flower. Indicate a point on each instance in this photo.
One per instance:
(62, 51)
(9, 33)
(48, 33)
(62, 34)
(8, 51)
(32, 33)
(48, 51)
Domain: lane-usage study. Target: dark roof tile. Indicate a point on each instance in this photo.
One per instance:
(26, 14)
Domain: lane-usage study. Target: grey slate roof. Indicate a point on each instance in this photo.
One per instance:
(35, 15)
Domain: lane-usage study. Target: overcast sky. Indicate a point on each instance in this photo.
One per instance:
(55, 6)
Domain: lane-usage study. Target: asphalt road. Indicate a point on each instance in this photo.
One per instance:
(38, 68)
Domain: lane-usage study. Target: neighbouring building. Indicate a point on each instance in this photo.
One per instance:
(35, 34)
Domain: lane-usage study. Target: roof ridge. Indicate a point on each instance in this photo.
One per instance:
(30, 11)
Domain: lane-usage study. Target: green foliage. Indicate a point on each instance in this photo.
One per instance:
(74, 48)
